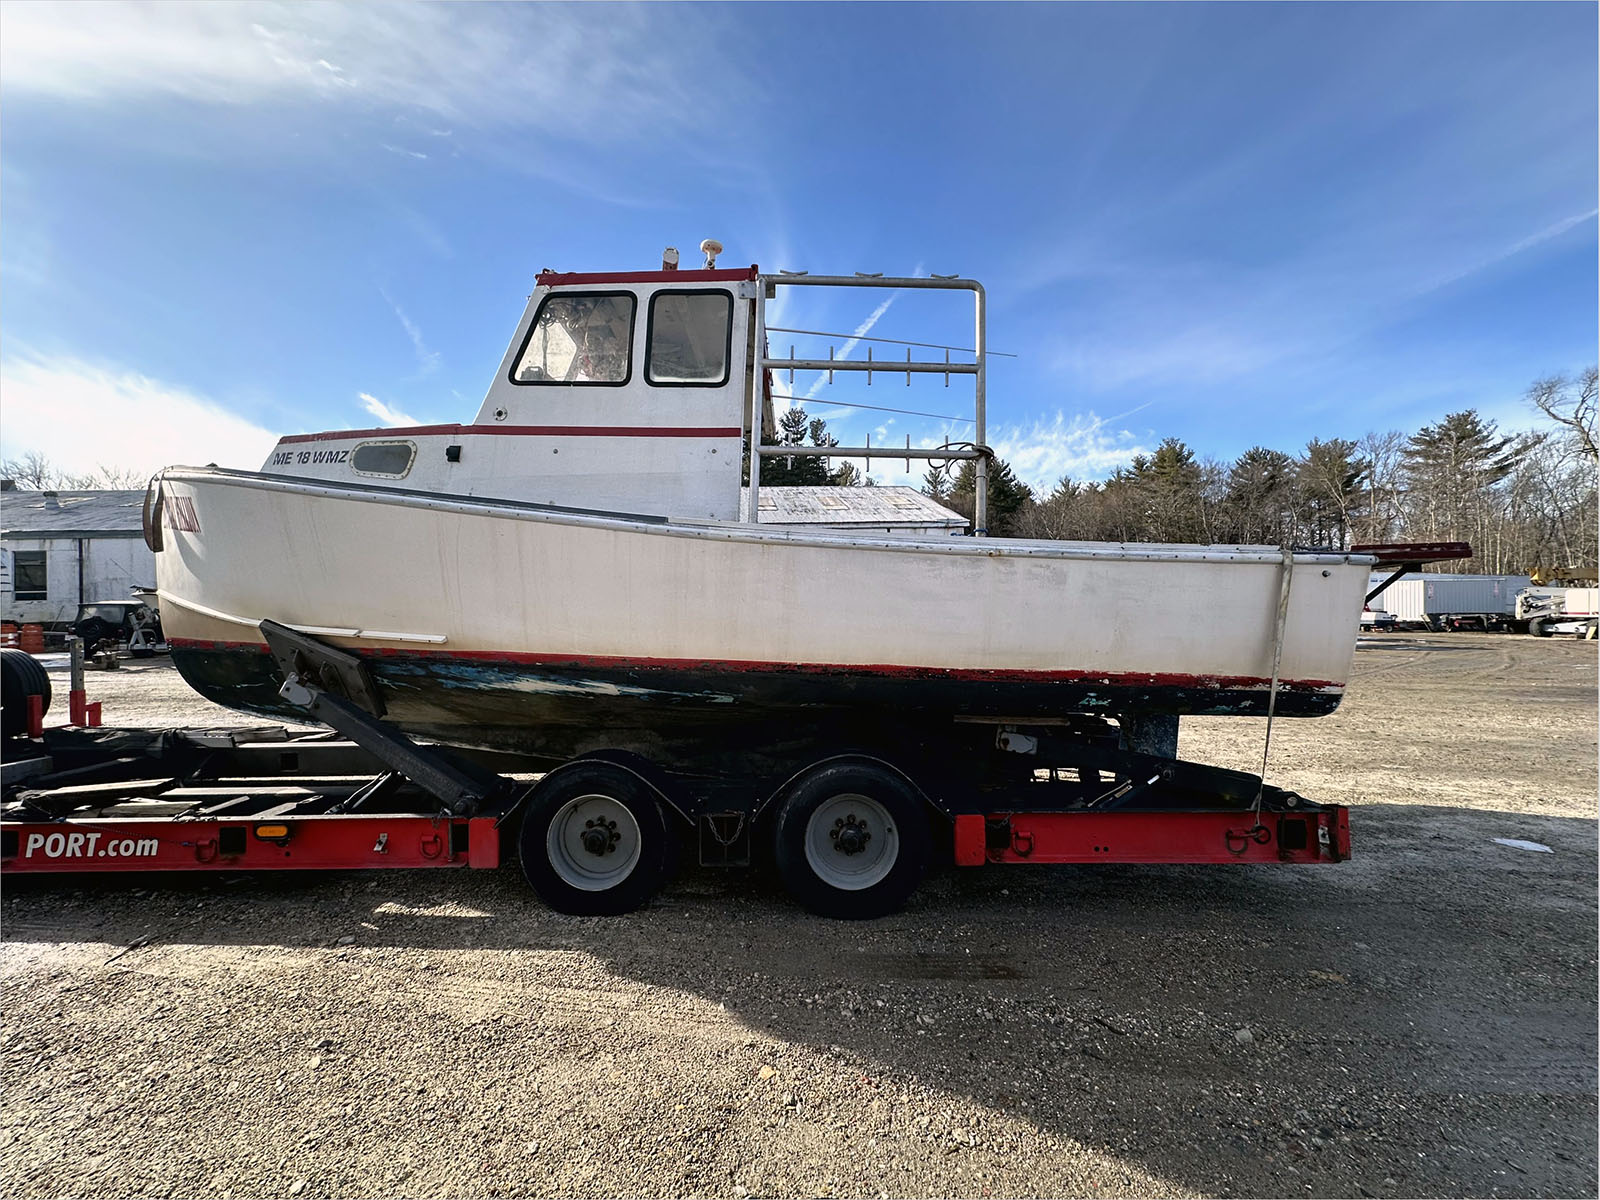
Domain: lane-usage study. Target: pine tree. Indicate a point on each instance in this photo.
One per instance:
(1329, 476)
(1452, 471)
(1259, 498)
(795, 429)
(1008, 496)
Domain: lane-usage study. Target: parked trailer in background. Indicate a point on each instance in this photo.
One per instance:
(1443, 602)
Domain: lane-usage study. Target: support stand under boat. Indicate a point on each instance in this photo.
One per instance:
(336, 689)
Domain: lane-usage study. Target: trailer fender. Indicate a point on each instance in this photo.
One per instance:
(651, 776)
(854, 757)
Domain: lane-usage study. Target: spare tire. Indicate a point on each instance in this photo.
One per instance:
(21, 676)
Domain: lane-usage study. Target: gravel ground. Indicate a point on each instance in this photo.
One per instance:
(1419, 1021)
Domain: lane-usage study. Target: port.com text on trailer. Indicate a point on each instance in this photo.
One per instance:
(89, 845)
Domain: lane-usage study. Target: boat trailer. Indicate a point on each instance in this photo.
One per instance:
(600, 833)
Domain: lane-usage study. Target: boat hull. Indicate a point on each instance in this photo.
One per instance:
(549, 632)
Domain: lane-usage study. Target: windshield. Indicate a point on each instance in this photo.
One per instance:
(579, 339)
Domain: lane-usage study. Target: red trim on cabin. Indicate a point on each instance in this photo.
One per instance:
(644, 431)
(571, 278)
(748, 666)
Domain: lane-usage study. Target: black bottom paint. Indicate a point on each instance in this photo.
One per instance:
(703, 718)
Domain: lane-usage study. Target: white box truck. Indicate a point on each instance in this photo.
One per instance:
(1443, 602)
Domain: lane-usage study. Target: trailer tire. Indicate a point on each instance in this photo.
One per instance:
(1536, 627)
(594, 841)
(21, 676)
(823, 841)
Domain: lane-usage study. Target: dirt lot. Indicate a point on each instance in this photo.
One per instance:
(1419, 1021)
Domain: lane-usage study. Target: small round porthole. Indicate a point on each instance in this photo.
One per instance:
(391, 460)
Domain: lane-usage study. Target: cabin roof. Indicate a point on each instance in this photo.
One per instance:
(854, 506)
(688, 277)
(111, 514)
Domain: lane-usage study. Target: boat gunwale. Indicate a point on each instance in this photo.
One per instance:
(742, 531)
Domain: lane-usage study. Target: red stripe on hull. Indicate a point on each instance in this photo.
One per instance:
(743, 666)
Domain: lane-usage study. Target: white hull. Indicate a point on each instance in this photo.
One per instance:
(590, 607)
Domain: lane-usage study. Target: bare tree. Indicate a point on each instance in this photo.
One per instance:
(32, 472)
(1573, 404)
(35, 472)
(1382, 515)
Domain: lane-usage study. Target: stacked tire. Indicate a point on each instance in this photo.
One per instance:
(21, 676)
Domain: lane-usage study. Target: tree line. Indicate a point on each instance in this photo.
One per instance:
(34, 472)
(1520, 499)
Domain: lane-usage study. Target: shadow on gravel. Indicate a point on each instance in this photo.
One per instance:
(1421, 1020)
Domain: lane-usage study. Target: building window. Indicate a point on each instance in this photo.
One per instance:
(391, 459)
(690, 334)
(28, 572)
(582, 338)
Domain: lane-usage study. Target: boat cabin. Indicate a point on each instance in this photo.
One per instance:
(622, 392)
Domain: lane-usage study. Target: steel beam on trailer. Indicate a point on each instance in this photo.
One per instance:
(1408, 556)
(1314, 836)
(307, 663)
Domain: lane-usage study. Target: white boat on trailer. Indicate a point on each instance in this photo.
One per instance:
(577, 555)
(572, 576)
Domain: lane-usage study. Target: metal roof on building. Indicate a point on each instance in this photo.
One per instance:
(107, 514)
(854, 506)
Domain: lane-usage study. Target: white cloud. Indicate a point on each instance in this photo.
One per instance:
(581, 69)
(1040, 452)
(1548, 233)
(82, 416)
(1082, 446)
(427, 359)
(390, 417)
(854, 340)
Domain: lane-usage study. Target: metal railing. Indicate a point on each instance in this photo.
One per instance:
(978, 452)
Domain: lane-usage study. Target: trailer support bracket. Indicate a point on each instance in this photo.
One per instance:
(314, 673)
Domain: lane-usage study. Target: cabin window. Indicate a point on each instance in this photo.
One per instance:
(28, 572)
(392, 459)
(579, 338)
(690, 336)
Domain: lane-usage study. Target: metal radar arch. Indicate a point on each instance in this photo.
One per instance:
(978, 452)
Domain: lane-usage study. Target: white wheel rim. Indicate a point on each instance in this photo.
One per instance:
(852, 842)
(578, 828)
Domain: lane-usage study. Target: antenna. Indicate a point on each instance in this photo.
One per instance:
(711, 248)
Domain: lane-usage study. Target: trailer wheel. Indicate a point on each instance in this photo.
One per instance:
(1536, 627)
(594, 841)
(21, 676)
(851, 841)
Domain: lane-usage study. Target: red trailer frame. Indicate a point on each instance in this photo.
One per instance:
(123, 801)
(355, 843)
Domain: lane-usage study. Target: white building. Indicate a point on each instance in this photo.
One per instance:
(62, 549)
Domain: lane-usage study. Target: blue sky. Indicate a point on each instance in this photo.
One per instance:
(1232, 224)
